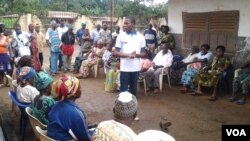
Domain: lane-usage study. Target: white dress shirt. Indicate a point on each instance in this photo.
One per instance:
(164, 60)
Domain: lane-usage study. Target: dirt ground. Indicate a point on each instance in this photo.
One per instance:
(192, 118)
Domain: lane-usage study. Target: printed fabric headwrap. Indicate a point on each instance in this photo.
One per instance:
(26, 73)
(65, 87)
(42, 80)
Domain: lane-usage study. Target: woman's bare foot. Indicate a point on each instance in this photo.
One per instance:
(197, 93)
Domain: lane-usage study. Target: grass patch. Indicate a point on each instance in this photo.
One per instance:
(8, 22)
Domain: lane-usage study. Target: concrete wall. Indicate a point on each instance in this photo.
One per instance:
(27, 19)
(176, 7)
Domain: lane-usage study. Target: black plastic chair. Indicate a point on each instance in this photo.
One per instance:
(24, 117)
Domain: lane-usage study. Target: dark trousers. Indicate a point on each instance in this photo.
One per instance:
(41, 58)
(60, 61)
(128, 81)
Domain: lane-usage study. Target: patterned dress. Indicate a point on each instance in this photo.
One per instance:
(169, 39)
(42, 107)
(90, 62)
(35, 52)
(210, 78)
(189, 75)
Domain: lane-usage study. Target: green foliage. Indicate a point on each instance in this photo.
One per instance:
(135, 8)
(8, 22)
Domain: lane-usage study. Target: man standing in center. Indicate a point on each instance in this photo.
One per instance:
(130, 46)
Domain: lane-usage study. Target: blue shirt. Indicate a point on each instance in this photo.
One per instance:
(54, 40)
(95, 35)
(150, 36)
(79, 35)
(66, 117)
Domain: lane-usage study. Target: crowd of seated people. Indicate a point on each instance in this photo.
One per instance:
(50, 99)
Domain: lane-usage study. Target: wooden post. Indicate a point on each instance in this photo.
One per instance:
(111, 16)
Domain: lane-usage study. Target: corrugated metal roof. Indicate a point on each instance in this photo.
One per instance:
(63, 15)
(10, 16)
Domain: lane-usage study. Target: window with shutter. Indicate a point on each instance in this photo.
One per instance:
(195, 29)
(214, 28)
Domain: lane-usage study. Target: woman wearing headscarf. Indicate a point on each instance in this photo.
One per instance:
(26, 60)
(66, 120)
(201, 59)
(43, 103)
(209, 75)
(26, 92)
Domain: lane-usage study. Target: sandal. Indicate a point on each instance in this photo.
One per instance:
(232, 99)
(196, 93)
(241, 102)
(212, 98)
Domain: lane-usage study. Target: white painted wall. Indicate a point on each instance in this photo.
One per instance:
(176, 7)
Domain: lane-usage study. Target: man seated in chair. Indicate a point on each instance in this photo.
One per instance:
(244, 79)
(161, 62)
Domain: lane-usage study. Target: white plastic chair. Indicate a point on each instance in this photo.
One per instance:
(144, 84)
(43, 134)
(34, 121)
(165, 71)
(96, 68)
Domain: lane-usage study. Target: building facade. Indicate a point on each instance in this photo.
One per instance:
(216, 22)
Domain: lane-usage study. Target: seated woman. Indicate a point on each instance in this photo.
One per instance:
(209, 75)
(179, 65)
(244, 79)
(66, 120)
(201, 59)
(93, 58)
(162, 60)
(26, 92)
(118, 129)
(43, 103)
